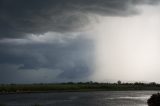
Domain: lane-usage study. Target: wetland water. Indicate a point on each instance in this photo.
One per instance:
(99, 98)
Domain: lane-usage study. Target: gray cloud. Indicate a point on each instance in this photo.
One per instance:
(20, 17)
(11, 73)
(72, 60)
(60, 59)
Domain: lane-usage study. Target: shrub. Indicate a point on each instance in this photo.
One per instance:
(154, 100)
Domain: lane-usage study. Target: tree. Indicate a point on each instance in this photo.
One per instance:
(119, 82)
(154, 100)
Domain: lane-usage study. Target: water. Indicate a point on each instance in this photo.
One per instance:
(100, 98)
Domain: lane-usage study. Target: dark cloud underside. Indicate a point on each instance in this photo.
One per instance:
(21, 17)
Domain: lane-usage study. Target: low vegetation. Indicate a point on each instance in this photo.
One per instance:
(80, 86)
(154, 100)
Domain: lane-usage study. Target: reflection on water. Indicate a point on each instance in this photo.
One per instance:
(101, 98)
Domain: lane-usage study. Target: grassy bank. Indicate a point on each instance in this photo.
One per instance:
(88, 86)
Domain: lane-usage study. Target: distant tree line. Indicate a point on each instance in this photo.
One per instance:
(118, 82)
(78, 86)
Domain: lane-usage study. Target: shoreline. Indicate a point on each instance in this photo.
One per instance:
(67, 91)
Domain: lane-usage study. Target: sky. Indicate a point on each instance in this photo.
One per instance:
(45, 41)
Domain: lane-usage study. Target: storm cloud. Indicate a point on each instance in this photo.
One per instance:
(68, 58)
(46, 40)
(19, 18)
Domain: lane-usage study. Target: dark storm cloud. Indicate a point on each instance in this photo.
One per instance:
(23, 60)
(21, 17)
(73, 58)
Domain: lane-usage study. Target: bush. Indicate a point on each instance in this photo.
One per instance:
(154, 100)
